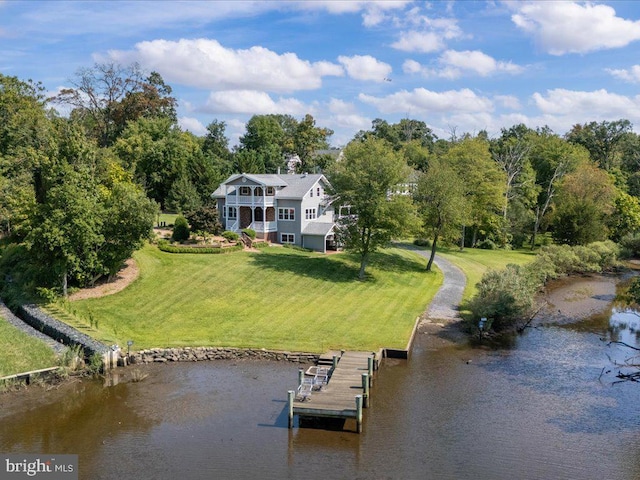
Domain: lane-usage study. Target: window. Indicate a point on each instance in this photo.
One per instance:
(319, 191)
(310, 213)
(311, 193)
(270, 191)
(232, 212)
(287, 238)
(245, 191)
(286, 214)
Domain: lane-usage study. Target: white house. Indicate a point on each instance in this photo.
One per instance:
(289, 209)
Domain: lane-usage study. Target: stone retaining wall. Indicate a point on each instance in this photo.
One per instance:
(60, 331)
(196, 354)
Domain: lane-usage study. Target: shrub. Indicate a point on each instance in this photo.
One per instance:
(631, 243)
(422, 242)
(204, 219)
(487, 244)
(231, 236)
(504, 296)
(182, 249)
(180, 229)
(250, 233)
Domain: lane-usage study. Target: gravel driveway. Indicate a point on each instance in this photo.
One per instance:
(444, 305)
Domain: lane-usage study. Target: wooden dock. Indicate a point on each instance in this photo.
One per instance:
(345, 394)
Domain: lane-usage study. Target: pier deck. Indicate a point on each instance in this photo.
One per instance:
(345, 394)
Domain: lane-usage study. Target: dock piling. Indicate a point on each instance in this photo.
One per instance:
(359, 413)
(365, 390)
(291, 395)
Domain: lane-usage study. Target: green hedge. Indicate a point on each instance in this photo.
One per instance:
(181, 249)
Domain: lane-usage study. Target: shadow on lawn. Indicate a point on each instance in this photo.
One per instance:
(344, 268)
(322, 268)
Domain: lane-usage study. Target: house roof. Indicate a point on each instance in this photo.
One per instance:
(294, 186)
(321, 229)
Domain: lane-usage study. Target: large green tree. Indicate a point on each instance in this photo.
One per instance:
(585, 202)
(363, 181)
(552, 158)
(106, 96)
(442, 203)
(484, 182)
(603, 141)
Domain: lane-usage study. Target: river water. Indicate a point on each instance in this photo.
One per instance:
(539, 408)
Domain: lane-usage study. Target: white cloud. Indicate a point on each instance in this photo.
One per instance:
(508, 101)
(252, 102)
(206, 64)
(568, 107)
(569, 27)
(340, 107)
(374, 12)
(454, 64)
(425, 34)
(193, 125)
(423, 101)
(423, 42)
(365, 67)
(631, 75)
(477, 62)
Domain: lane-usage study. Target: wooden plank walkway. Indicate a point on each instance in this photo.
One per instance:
(345, 394)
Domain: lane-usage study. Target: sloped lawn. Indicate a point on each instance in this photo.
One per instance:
(21, 353)
(278, 298)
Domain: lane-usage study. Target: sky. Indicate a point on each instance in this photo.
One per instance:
(459, 66)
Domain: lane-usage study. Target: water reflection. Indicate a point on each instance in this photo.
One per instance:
(540, 409)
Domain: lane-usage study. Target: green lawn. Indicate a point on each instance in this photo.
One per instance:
(474, 262)
(168, 218)
(20, 352)
(279, 298)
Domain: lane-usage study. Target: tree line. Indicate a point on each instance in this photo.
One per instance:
(79, 193)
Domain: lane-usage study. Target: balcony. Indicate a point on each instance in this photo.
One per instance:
(248, 200)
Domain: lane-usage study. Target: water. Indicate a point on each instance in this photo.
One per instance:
(541, 409)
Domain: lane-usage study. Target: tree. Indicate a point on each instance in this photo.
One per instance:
(363, 180)
(552, 158)
(128, 222)
(441, 202)
(107, 96)
(307, 140)
(266, 137)
(625, 219)
(398, 134)
(602, 140)
(585, 201)
(204, 219)
(483, 180)
(67, 229)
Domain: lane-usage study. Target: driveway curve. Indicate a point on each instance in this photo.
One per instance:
(445, 304)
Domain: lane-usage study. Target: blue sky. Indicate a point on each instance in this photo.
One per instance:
(460, 66)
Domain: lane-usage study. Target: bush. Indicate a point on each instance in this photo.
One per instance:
(631, 243)
(231, 236)
(250, 233)
(180, 229)
(422, 242)
(487, 244)
(504, 296)
(204, 219)
(165, 247)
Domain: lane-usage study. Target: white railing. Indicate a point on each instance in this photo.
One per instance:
(249, 200)
(264, 226)
(233, 227)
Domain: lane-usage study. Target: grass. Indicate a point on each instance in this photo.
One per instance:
(279, 298)
(20, 352)
(474, 262)
(168, 218)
